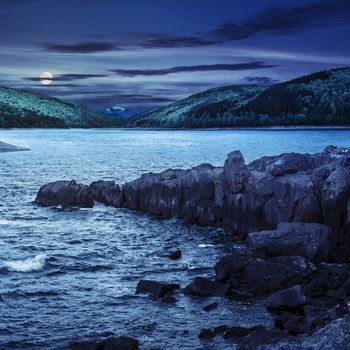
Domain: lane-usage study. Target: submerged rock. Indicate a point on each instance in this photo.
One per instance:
(65, 193)
(155, 288)
(168, 252)
(113, 343)
(203, 287)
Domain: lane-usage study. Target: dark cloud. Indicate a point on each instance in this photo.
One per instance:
(67, 77)
(84, 47)
(261, 80)
(287, 20)
(174, 41)
(199, 68)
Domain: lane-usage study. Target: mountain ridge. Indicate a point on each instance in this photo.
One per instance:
(24, 109)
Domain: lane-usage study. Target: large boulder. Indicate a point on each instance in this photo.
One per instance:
(286, 299)
(66, 194)
(312, 241)
(106, 192)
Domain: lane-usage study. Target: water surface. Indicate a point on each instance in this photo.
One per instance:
(68, 275)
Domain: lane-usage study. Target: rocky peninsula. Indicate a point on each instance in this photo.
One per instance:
(292, 213)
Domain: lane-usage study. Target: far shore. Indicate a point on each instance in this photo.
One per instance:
(251, 128)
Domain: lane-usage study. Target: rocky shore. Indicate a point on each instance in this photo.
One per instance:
(292, 213)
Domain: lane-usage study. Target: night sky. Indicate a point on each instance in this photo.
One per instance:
(146, 53)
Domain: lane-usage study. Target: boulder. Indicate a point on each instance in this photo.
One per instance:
(155, 288)
(106, 192)
(233, 263)
(169, 252)
(271, 275)
(203, 287)
(310, 240)
(286, 299)
(66, 194)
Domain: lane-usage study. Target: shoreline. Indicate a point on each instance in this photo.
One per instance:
(258, 128)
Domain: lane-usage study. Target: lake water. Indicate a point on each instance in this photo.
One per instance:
(68, 275)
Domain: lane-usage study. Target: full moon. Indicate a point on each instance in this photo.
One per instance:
(46, 78)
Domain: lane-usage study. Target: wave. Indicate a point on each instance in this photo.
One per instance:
(27, 265)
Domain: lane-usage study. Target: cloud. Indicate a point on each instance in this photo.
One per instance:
(261, 80)
(174, 41)
(287, 20)
(67, 77)
(83, 47)
(198, 68)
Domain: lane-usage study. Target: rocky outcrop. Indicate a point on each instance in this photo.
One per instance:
(244, 198)
(312, 241)
(65, 193)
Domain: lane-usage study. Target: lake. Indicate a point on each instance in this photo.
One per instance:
(71, 274)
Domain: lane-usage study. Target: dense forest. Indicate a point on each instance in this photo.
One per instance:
(321, 98)
(23, 109)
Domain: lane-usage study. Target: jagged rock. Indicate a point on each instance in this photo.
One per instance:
(65, 193)
(312, 241)
(201, 286)
(106, 192)
(155, 288)
(286, 299)
(335, 335)
(242, 198)
(265, 276)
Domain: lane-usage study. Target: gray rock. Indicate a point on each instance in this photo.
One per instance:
(106, 192)
(203, 287)
(312, 241)
(286, 299)
(155, 288)
(65, 193)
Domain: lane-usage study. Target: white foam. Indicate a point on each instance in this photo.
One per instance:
(30, 264)
(203, 245)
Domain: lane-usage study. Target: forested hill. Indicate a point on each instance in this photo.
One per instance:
(321, 98)
(21, 109)
(184, 113)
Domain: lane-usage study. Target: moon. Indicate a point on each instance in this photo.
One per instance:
(46, 78)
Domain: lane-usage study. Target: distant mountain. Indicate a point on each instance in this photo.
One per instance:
(119, 112)
(321, 98)
(21, 109)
